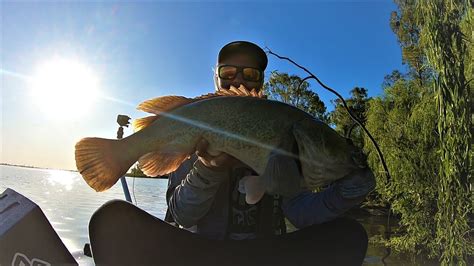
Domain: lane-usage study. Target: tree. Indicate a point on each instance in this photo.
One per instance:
(446, 38)
(405, 26)
(344, 123)
(403, 121)
(135, 171)
(424, 128)
(390, 80)
(285, 88)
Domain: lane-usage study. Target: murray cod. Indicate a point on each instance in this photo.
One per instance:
(248, 128)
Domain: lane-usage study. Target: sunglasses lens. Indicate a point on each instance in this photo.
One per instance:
(252, 74)
(227, 72)
(248, 73)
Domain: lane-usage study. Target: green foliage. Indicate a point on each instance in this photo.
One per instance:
(136, 172)
(423, 124)
(357, 104)
(285, 88)
(390, 80)
(404, 25)
(403, 122)
(446, 37)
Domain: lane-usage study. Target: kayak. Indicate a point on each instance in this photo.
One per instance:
(26, 236)
(123, 234)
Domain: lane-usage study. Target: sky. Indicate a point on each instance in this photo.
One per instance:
(104, 58)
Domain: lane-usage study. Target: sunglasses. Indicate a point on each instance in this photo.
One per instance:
(248, 73)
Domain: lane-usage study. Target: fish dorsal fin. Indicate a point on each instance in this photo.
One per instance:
(208, 96)
(233, 91)
(167, 103)
(241, 91)
(164, 104)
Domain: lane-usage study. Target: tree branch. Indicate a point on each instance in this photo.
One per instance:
(311, 75)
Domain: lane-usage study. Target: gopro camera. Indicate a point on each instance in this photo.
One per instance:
(123, 120)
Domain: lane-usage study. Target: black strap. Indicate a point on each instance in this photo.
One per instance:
(279, 218)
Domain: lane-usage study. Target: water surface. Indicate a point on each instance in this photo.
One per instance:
(68, 202)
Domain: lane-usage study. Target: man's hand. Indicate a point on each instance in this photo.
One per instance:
(220, 162)
(282, 175)
(356, 184)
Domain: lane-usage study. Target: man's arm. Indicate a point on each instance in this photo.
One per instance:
(191, 191)
(308, 208)
(305, 208)
(193, 197)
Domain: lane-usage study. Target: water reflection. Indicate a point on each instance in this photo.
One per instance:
(65, 179)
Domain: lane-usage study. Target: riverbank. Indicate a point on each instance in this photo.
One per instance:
(375, 221)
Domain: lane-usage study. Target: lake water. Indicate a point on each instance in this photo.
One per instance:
(68, 202)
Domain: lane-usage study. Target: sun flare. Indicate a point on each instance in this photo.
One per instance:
(64, 88)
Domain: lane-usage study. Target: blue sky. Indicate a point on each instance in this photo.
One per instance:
(143, 50)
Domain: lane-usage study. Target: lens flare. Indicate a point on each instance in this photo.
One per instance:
(64, 88)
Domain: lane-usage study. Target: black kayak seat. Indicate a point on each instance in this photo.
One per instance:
(123, 234)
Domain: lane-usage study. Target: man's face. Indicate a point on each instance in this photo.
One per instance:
(240, 61)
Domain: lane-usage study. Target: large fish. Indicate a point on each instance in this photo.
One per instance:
(248, 128)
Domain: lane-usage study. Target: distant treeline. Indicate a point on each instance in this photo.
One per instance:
(136, 172)
(35, 167)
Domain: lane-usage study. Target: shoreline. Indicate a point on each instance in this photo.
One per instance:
(36, 167)
(69, 170)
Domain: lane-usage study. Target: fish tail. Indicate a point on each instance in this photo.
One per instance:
(101, 162)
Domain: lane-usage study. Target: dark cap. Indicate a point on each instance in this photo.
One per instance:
(244, 47)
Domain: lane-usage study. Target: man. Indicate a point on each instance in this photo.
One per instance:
(204, 191)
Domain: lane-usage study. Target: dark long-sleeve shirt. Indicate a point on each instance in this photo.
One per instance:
(203, 197)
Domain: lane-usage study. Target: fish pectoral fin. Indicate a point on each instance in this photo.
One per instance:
(164, 104)
(144, 122)
(253, 187)
(159, 163)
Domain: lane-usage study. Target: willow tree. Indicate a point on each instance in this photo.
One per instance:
(446, 38)
(403, 120)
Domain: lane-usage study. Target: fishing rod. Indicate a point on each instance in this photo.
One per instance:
(124, 121)
(379, 152)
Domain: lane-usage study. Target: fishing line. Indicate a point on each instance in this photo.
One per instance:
(379, 152)
(133, 190)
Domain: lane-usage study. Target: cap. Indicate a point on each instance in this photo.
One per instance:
(239, 47)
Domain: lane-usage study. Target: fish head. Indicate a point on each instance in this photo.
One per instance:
(323, 153)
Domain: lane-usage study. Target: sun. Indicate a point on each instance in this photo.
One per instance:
(64, 88)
